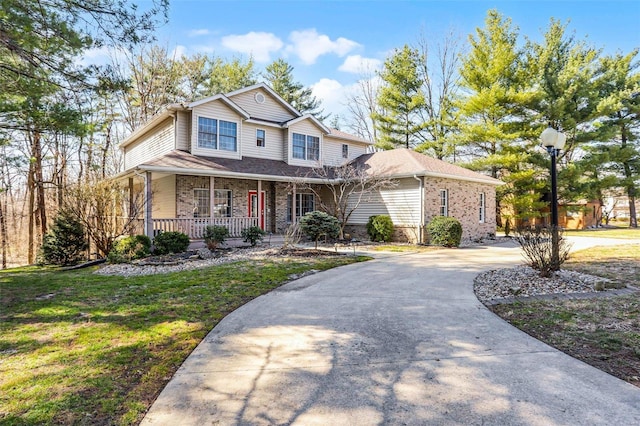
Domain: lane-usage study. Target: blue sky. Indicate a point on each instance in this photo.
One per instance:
(326, 41)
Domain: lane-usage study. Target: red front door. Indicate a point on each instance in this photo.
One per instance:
(254, 211)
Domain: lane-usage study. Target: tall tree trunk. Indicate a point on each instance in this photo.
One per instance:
(630, 185)
(30, 238)
(3, 236)
(36, 154)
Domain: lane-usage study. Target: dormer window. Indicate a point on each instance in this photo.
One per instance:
(217, 134)
(306, 147)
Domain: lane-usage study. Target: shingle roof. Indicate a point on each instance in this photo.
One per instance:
(405, 162)
(342, 135)
(177, 161)
(394, 163)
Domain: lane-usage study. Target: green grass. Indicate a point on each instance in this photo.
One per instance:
(621, 233)
(78, 348)
(603, 332)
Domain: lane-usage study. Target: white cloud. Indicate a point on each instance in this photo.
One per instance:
(332, 95)
(199, 32)
(357, 64)
(258, 44)
(178, 52)
(309, 45)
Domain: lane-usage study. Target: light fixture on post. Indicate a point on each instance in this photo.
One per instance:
(554, 141)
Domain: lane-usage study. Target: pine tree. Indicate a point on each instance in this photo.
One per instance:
(401, 100)
(279, 76)
(493, 133)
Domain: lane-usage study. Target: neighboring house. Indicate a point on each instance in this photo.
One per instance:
(581, 214)
(617, 206)
(244, 159)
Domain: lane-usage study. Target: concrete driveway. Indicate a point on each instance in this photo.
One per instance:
(400, 340)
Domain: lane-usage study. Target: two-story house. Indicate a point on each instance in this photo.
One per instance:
(238, 159)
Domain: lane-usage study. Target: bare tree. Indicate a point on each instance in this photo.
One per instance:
(100, 206)
(439, 72)
(347, 187)
(363, 107)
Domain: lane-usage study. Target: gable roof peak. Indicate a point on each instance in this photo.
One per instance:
(264, 86)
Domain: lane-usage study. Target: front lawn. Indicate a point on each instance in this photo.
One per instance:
(624, 233)
(78, 348)
(603, 332)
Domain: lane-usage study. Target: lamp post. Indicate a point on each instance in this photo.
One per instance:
(554, 141)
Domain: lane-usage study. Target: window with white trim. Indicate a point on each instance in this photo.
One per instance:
(444, 202)
(222, 203)
(304, 204)
(306, 147)
(345, 150)
(261, 138)
(482, 207)
(217, 134)
(201, 202)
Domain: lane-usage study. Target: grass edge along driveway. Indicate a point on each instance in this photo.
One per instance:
(78, 348)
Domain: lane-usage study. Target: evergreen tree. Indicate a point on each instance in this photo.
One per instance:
(401, 98)
(618, 151)
(65, 242)
(229, 75)
(493, 133)
(279, 76)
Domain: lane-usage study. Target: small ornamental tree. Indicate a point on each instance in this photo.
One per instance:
(537, 249)
(64, 243)
(319, 224)
(445, 231)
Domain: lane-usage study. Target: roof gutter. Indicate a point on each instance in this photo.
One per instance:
(488, 181)
(238, 175)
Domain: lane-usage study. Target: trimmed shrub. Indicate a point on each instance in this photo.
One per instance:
(319, 224)
(215, 235)
(170, 242)
(65, 241)
(252, 235)
(380, 228)
(445, 231)
(130, 248)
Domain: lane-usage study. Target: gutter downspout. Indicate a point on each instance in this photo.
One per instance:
(421, 225)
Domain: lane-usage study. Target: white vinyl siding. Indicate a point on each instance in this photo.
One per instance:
(401, 202)
(270, 109)
(183, 124)
(164, 197)
(274, 143)
(332, 150)
(154, 143)
(218, 111)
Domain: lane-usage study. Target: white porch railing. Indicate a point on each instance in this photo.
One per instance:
(194, 227)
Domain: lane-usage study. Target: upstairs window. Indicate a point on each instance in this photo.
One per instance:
(306, 147)
(207, 133)
(444, 202)
(482, 207)
(345, 150)
(217, 134)
(260, 138)
(201, 201)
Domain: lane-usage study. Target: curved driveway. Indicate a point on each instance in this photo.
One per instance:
(400, 340)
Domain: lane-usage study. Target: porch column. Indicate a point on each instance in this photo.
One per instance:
(259, 200)
(294, 218)
(148, 220)
(131, 199)
(212, 198)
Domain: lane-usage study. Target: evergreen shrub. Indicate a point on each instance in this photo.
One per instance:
(380, 228)
(215, 235)
(445, 231)
(130, 248)
(170, 242)
(65, 241)
(252, 235)
(319, 224)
